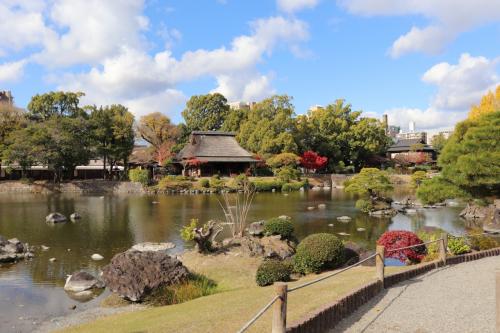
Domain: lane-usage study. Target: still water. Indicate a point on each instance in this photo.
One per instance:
(32, 291)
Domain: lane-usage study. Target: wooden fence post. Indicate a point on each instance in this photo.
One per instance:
(379, 263)
(497, 296)
(443, 246)
(279, 309)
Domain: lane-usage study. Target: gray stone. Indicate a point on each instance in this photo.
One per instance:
(74, 217)
(321, 206)
(311, 208)
(150, 246)
(133, 274)
(44, 248)
(81, 281)
(256, 228)
(13, 250)
(383, 213)
(52, 259)
(55, 218)
(267, 247)
(344, 218)
(284, 217)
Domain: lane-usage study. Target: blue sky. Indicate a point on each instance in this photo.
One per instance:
(424, 60)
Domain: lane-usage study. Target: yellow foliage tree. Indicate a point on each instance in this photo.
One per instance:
(489, 103)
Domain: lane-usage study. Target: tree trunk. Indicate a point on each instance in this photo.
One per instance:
(204, 238)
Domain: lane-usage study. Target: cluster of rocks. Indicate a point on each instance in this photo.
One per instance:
(489, 215)
(12, 250)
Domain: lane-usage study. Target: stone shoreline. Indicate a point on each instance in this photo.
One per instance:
(76, 186)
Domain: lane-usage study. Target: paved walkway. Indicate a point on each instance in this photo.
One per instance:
(455, 299)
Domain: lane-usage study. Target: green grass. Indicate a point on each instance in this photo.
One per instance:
(238, 299)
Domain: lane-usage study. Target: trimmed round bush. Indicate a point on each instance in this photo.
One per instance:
(205, 183)
(279, 226)
(271, 271)
(317, 252)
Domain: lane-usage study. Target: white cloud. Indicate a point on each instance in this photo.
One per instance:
(291, 6)
(458, 87)
(462, 85)
(133, 75)
(448, 19)
(12, 71)
(165, 101)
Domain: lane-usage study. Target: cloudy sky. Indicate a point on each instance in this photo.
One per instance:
(421, 60)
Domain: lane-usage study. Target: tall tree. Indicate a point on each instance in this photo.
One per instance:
(269, 127)
(205, 112)
(158, 130)
(438, 142)
(11, 119)
(339, 133)
(55, 104)
(489, 103)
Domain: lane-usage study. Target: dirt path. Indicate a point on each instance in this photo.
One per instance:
(459, 298)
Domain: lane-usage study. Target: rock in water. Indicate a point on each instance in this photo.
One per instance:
(55, 218)
(96, 256)
(133, 274)
(149, 246)
(44, 248)
(82, 281)
(311, 208)
(344, 218)
(321, 206)
(75, 216)
(256, 228)
(13, 250)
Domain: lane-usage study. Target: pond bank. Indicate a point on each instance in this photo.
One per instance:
(96, 186)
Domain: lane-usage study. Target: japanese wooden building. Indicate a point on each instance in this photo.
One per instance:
(210, 152)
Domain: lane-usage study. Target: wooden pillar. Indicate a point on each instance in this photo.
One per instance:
(443, 246)
(497, 297)
(379, 263)
(279, 308)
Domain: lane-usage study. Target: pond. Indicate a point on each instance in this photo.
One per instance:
(32, 291)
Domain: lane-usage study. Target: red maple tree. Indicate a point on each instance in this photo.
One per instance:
(397, 239)
(311, 160)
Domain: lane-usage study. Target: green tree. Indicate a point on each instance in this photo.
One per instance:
(471, 158)
(340, 134)
(205, 112)
(112, 134)
(269, 127)
(55, 104)
(438, 142)
(369, 183)
(19, 148)
(11, 120)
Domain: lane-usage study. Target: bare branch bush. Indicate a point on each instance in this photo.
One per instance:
(236, 207)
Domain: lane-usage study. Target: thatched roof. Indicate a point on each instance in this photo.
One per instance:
(213, 146)
(406, 144)
(142, 155)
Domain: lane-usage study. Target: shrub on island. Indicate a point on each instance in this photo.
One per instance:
(273, 270)
(175, 183)
(318, 252)
(279, 226)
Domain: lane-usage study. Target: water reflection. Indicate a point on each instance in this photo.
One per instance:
(112, 224)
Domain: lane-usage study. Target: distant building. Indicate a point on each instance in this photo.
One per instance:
(446, 134)
(411, 150)
(211, 152)
(6, 97)
(315, 108)
(422, 136)
(240, 105)
(393, 131)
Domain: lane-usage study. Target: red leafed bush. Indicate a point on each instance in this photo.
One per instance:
(396, 239)
(312, 161)
(194, 162)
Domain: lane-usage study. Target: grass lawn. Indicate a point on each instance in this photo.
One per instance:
(238, 300)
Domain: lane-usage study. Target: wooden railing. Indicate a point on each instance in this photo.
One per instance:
(281, 289)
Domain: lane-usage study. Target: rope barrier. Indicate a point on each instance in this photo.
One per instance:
(257, 316)
(416, 245)
(333, 274)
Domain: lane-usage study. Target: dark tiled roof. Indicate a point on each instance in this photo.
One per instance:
(405, 145)
(214, 146)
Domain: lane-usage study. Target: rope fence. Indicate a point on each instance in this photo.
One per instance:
(279, 313)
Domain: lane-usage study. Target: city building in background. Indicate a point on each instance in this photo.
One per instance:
(6, 97)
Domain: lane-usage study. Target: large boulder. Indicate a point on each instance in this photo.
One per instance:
(267, 247)
(134, 274)
(150, 246)
(81, 281)
(13, 250)
(55, 218)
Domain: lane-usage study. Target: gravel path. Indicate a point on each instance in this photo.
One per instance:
(459, 298)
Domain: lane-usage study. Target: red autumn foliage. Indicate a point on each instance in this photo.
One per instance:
(194, 162)
(396, 239)
(412, 158)
(312, 161)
